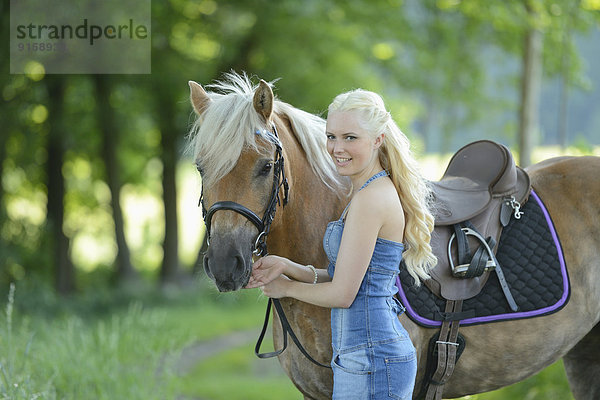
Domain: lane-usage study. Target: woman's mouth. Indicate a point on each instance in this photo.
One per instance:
(342, 161)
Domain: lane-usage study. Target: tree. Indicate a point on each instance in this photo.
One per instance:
(530, 86)
(109, 131)
(65, 271)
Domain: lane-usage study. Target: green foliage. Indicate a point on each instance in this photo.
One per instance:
(111, 344)
(76, 358)
(447, 69)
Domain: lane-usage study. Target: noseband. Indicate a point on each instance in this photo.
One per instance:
(263, 225)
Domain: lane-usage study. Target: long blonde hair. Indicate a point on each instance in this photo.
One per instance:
(395, 156)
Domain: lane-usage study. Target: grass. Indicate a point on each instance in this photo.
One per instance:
(238, 375)
(96, 347)
(115, 344)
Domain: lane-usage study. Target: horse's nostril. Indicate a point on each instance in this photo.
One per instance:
(239, 264)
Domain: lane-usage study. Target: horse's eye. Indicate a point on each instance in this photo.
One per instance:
(199, 168)
(266, 169)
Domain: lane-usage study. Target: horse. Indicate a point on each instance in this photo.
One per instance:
(238, 138)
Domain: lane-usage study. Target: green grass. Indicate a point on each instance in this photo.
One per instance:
(125, 344)
(238, 375)
(111, 347)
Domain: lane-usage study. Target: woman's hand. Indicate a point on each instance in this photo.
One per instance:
(277, 288)
(265, 270)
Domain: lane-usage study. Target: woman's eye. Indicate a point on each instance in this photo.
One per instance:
(330, 137)
(350, 138)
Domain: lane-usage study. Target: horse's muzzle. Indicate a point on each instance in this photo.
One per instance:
(228, 273)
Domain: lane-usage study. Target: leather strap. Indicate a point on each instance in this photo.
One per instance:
(462, 245)
(287, 329)
(479, 260)
(447, 346)
(238, 208)
(504, 286)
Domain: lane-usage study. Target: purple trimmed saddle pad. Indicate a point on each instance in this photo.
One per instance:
(532, 261)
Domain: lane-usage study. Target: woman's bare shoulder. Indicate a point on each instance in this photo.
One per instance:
(380, 197)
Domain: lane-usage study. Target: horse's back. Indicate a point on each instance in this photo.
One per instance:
(567, 170)
(569, 187)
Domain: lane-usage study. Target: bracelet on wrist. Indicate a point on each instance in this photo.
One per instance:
(314, 272)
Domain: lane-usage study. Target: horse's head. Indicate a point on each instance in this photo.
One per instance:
(239, 157)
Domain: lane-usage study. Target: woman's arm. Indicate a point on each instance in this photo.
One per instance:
(268, 268)
(363, 222)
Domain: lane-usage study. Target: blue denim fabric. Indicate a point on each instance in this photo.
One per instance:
(373, 356)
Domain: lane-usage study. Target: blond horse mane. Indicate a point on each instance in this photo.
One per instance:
(230, 124)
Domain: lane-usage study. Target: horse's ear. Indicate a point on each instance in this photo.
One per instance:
(198, 97)
(263, 100)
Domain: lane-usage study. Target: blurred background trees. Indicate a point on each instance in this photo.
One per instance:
(92, 176)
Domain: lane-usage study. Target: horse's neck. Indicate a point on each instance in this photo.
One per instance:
(299, 226)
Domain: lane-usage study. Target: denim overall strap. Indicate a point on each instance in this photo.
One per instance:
(371, 179)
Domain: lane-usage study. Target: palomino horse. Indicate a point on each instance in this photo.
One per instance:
(233, 142)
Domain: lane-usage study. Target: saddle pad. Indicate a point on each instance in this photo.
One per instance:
(532, 261)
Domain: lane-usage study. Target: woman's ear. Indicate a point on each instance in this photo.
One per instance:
(378, 141)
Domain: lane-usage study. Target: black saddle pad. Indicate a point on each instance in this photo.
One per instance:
(531, 258)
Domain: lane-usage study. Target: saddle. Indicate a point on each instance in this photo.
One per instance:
(481, 190)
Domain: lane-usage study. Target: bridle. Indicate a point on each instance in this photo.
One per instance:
(260, 244)
(263, 225)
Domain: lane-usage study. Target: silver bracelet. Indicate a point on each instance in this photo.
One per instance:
(314, 272)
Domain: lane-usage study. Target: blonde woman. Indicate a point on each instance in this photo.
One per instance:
(386, 220)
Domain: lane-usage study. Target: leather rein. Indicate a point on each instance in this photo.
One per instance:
(260, 243)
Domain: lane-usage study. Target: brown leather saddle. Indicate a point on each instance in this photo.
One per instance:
(481, 190)
(483, 185)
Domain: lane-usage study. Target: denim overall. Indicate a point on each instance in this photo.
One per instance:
(373, 356)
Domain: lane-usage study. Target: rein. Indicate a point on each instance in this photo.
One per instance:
(260, 244)
(287, 329)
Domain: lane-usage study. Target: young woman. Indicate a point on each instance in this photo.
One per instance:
(387, 219)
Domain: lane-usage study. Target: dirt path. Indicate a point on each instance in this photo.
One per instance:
(197, 352)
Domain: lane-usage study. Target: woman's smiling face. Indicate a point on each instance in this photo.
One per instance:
(352, 147)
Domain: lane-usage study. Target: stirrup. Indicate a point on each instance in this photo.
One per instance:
(461, 269)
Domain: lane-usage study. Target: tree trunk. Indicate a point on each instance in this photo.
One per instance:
(109, 132)
(429, 126)
(530, 92)
(64, 269)
(564, 85)
(3, 216)
(170, 265)
(2, 157)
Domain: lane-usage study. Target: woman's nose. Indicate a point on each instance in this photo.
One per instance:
(337, 147)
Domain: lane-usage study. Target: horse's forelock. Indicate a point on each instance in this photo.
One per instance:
(227, 126)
